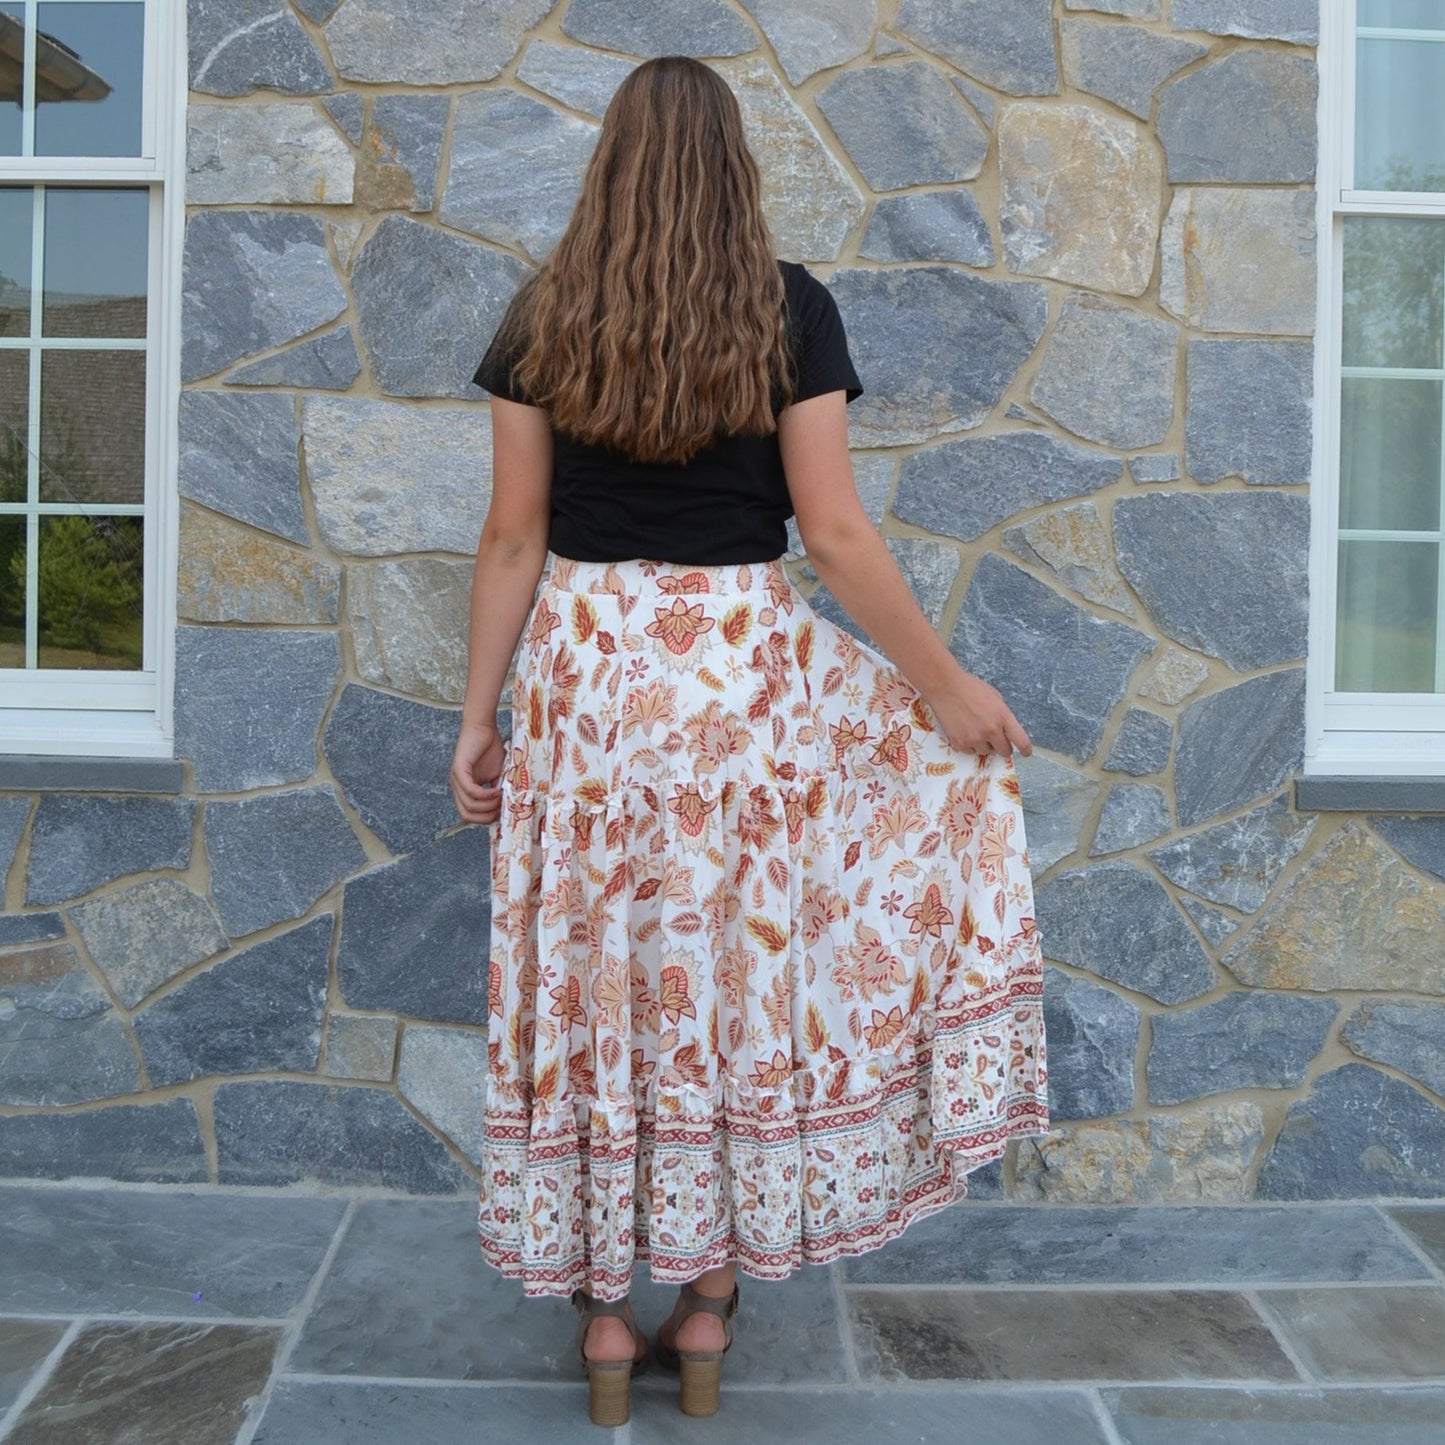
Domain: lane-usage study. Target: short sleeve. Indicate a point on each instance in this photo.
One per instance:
(821, 344)
(495, 372)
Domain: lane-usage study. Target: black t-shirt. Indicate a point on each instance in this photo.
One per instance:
(727, 503)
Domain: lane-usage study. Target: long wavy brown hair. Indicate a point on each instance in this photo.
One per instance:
(657, 322)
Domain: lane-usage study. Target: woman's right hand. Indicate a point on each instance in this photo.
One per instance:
(975, 717)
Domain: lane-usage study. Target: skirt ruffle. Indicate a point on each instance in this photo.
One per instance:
(765, 983)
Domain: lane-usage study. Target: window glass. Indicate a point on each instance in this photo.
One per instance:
(1399, 140)
(90, 592)
(92, 426)
(12, 76)
(95, 290)
(1388, 619)
(12, 591)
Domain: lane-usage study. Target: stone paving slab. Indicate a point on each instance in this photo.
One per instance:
(1426, 1222)
(1364, 1332)
(1198, 1244)
(23, 1345)
(1224, 1416)
(161, 1384)
(107, 1251)
(1052, 1334)
(332, 1413)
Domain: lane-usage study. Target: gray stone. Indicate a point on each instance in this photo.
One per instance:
(257, 1010)
(1407, 1036)
(1358, 1134)
(1297, 20)
(904, 125)
(1141, 745)
(237, 46)
(1073, 544)
(965, 487)
(1010, 47)
(887, 45)
(1122, 63)
(409, 623)
(328, 362)
(391, 478)
(1116, 920)
(1214, 923)
(1420, 839)
(1248, 409)
(1176, 675)
(238, 455)
(586, 80)
(30, 928)
(1056, 801)
(252, 280)
(1240, 259)
(1372, 1333)
(426, 304)
(929, 226)
(810, 202)
(1061, 669)
(344, 231)
(429, 42)
(1137, 9)
(1236, 862)
(272, 856)
(60, 1040)
(145, 934)
(403, 151)
(249, 702)
(1108, 372)
(1248, 116)
(1245, 1040)
(812, 35)
(443, 1076)
(229, 573)
(1155, 467)
(1238, 743)
(283, 151)
(638, 27)
(412, 933)
(345, 109)
(1093, 1035)
(361, 1046)
(939, 347)
(979, 98)
(407, 800)
(1134, 813)
(282, 1131)
(146, 1143)
(80, 841)
(1079, 195)
(13, 813)
(929, 568)
(1227, 572)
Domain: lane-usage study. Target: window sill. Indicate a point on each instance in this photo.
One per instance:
(33, 773)
(1365, 794)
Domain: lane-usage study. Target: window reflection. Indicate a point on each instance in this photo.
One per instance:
(95, 290)
(92, 426)
(90, 579)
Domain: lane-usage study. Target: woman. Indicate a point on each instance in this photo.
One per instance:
(765, 984)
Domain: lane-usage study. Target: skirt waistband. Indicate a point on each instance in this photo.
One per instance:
(640, 576)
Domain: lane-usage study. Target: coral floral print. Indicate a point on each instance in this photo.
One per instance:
(765, 983)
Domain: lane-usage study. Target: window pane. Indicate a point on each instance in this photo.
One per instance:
(1389, 453)
(16, 205)
(1393, 282)
(1399, 141)
(14, 415)
(88, 79)
(12, 591)
(90, 585)
(92, 426)
(1386, 620)
(12, 79)
(95, 290)
(1402, 14)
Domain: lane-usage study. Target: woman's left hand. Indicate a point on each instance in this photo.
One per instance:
(476, 773)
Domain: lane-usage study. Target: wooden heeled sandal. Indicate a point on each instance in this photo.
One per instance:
(609, 1381)
(701, 1370)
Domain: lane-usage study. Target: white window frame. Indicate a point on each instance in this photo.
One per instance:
(1375, 734)
(127, 714)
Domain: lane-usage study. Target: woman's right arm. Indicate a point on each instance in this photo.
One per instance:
(856, 566)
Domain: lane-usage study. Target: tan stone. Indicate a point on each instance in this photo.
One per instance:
(810, 201)
(409, 620)
(1074, 545)
(1177, 675)
(230, 573)
(1240, 259)
(1202, 1153)
(1079, 197)
(1353, 917)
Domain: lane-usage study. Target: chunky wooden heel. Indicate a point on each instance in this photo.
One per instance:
(701, 1381)
(609, 1382)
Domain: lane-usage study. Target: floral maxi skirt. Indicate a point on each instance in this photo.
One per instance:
(765, 983)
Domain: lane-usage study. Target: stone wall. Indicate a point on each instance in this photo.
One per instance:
(1074, 247)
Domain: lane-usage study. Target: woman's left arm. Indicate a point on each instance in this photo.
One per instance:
(511, 552)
